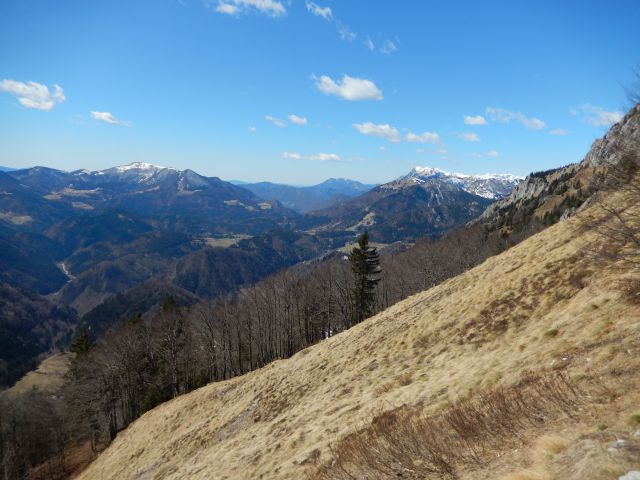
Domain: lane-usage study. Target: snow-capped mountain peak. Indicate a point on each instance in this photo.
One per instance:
(140, 166)
(488, 185)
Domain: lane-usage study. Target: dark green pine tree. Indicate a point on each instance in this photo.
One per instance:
(365, 265)
(82, 343)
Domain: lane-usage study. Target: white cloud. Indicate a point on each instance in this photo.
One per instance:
(317, 10)
(506, 116)
(424, 137)
(388, 47)
(251, 129)
(34, 95)
(346, 33)
(272, 8)
(227, 8)
(369, 44)
(560, 132)
(442, 151)
(108, 117)
(384, 130)
(318, 157)
(297, 120)
(349, 88)
(278, 122)
(533, 123)
(470, 137)
(597, 116)
(477, 120)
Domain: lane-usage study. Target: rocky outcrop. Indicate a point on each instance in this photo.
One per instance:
(555, 195)
(623, 135)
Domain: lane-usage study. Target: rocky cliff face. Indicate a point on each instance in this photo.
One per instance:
(624, 134)
(556, 194)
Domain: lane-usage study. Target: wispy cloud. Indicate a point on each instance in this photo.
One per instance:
(345, 32)
(379, 130)
(318, 11)
(278, 122)
(388, 47)
(559, 132)
(502, 115)
(251, 129)
(477, 120)
(271, 8)
(424, 137)
(470, 137)
(34, 95)
(597, 116)
(369, 44)
(349, 88)
(297, 120)
(108, 117)
(317, 157)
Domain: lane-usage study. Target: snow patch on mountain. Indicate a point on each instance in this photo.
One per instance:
(141, 166)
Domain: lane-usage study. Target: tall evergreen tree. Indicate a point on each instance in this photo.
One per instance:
(82, 343)
(365, 265)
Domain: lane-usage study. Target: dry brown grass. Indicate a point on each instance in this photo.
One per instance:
(407, 443)
(47, 378)
(480, 331)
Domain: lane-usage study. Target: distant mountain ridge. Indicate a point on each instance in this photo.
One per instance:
(207, 204)
(306, 199)
(426, 201)
(489, 185)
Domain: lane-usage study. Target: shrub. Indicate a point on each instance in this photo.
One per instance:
(407, 443)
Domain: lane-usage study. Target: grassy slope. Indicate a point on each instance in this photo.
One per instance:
(541, 305)
(48, 378)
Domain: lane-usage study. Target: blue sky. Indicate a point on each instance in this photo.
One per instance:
(297, 92)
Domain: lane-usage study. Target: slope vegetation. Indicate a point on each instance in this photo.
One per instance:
(544, 305)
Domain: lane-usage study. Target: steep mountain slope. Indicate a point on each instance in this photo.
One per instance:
(306, 199)
(427, 201)
(24, 209)
(28, 260)
(143, 299)
(30, 325)
(543, 305)
(211, 271)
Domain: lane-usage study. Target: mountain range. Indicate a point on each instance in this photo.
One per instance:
(306, 199)
(105, 244)
(427, 201)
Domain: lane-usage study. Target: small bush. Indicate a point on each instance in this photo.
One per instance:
(552, 333)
